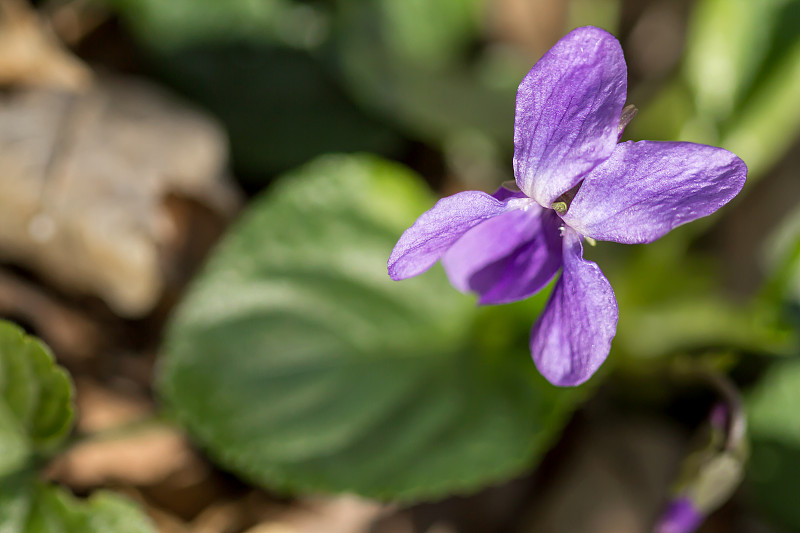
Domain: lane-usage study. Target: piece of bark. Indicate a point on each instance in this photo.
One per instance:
(101, 408)
(223, 517)
(141, 459)
(86, 180)
(31, 55)
(342, 514)
(66, 329)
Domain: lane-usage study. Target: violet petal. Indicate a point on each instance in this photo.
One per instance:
(507, 258)
(437, 229)
(572, 337)
(504, 193)
(568, 112)
(647, 188)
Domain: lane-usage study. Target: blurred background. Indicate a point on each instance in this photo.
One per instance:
(135, 134)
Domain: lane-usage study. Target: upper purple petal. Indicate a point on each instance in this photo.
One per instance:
(568, 113)
(507, 258)
(647, 188)
(437, 229)
(572, 337)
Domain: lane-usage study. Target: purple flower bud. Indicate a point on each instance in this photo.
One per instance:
(680, 516)
(719, 416)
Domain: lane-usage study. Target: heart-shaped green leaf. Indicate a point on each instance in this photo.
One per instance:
(300, 365)
(35, 399)
(27, 506)
(36, 413)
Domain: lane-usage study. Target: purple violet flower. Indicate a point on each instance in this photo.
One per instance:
(575, 181)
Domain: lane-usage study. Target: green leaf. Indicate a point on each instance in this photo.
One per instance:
(263, 69)
(726, 43)
(429, 33)
(27, 506)
(186, 22)
(36, 413)
(768, 125)
(35, 399)
(300, 365)
(420, 63)
(774, 419)
(281, 107)
(671, 301)
(743, 65)
(782, 251)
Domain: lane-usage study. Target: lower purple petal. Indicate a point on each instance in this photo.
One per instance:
(572, 337)
(507, 258)
(437, 229)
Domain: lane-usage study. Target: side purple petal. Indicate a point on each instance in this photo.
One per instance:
(572, 337)
(504, 193)
(647, 188)
(507, 258)
(437, 229)
(568, 113)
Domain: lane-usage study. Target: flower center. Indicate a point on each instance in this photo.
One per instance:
(560, 207)
(562, 203)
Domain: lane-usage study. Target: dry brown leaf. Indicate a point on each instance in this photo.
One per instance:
(31, 55)
(66, 329)
(85, 180)
(143, 458)
(164, 521)
(225, 517)
(344, 514)
(102, 408)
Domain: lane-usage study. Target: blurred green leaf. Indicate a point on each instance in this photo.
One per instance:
(281, 107)
(672, 301)
(27, 506)
(300, 365)
(664, 117)
(261, 67)
(35, 399)
(782, 253)
(743, 65)
(774, 419)
(421, 64)
(727, 40)
(701, 323)
(769, 122)
(429, 33)
(179, 23)
(605, 14)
